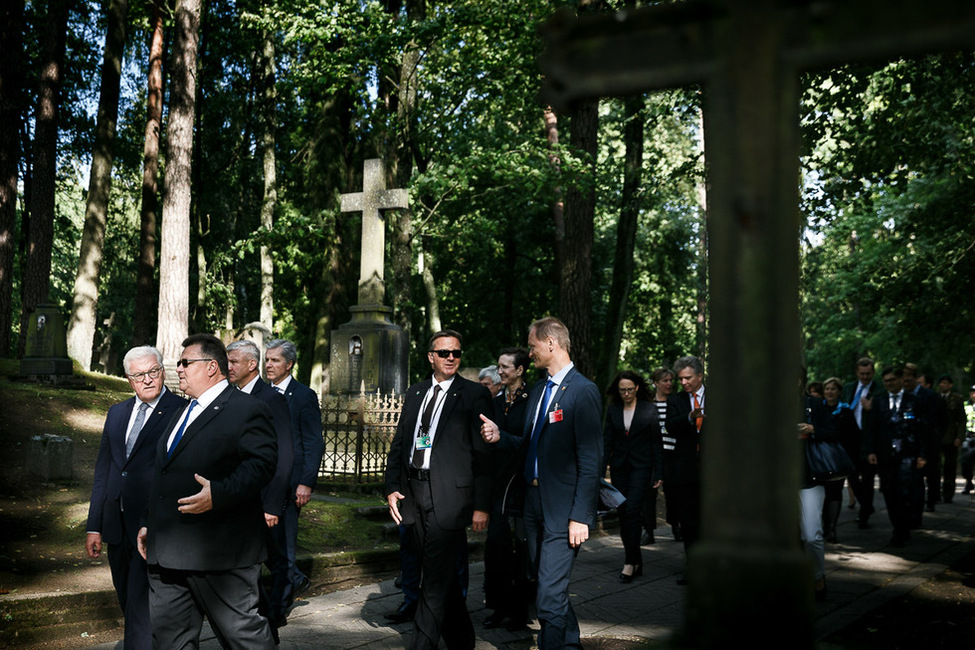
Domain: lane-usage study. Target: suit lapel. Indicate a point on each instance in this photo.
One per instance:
(211, 411)
(155, 420)
(120, 429)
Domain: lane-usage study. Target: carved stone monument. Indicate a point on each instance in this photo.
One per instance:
(46, 352)
(370, 352)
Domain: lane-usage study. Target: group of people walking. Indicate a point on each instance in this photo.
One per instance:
(905, 432)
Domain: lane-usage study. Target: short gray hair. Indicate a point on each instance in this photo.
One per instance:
(689, 362)
(141, 352)
(491, 372)
(246, 346)
(288, 349)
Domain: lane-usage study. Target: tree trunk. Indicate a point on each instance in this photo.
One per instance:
(174, 281)
(81, 325)
(145, 278)
(702, 257)
(37, 274)
(270, 180)
(575, 270)
(430, 287)
(12, 119)
(558, 205)
(625, 233)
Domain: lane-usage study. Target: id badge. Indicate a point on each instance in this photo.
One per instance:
(423, 442)
(555, 416)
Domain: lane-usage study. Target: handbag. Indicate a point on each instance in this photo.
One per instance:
(828, 461)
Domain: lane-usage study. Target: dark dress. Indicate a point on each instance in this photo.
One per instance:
(635, 459)
(507, 584)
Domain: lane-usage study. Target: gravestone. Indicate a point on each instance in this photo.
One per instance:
(46, 351)
(747, 572)
(49, 457)
(370, 353)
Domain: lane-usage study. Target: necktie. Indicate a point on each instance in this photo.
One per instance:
(182, 427)
(279, 389)
(857, 407)
(893, 402)
(140, 419)
(536, 431)
(420, 455)
(699, 420)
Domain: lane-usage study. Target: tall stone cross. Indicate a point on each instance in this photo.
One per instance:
(747, 56)
(373, 198)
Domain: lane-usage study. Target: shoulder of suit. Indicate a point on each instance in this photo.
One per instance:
(171, 398)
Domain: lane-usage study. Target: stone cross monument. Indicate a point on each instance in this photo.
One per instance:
(370, 352)
(747, 58)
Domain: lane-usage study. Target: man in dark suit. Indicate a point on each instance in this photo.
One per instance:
(243, 365)
(120, 490)
(205, 528)
(897, 445)
(859, 395)
(935, 422)
(308, 445)
(562, 461)
(438, 478)
(686, 424)
(953, 434)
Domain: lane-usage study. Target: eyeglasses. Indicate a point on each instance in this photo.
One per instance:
(152, 373)
(185, 363)
(443, 354)
(627, 390)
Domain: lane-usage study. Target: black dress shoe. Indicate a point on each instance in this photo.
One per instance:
(493, 620)
(678, 535)
(403, 614)
(301, 586)
(647, 538)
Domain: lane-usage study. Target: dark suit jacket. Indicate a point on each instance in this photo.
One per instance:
(570, 452)
(460, 460)
(306, 433)
(231, 443)
(278, 491)
(121, 482)
(682, 464)
(642, 447)
(907, 429)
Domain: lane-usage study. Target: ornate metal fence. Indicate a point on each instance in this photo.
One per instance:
(357, 431)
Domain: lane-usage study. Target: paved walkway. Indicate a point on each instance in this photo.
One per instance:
(863, 573)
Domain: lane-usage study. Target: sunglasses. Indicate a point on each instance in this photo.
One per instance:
(185, 363)
(443, 354)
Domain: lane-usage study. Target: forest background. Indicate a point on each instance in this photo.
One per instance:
(193, 161)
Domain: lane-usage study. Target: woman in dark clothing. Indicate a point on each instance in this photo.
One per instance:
(507, 586)
(844, 423)
(633, 452)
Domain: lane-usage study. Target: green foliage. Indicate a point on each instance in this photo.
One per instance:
(890, 199)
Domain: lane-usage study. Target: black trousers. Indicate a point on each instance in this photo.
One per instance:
(442, 609)
(131, 580)
(686, 501)
(633, 483)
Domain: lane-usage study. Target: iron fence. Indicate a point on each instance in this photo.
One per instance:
(358, 430)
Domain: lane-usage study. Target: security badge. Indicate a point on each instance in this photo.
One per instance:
(423, 441)
(555, 415)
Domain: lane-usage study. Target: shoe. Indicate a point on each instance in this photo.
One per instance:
(301, 586)
(627, 578)
(821, 592)
(398, 581)
(493, 620)
(647, 538)
(862, 523)
(403, 614)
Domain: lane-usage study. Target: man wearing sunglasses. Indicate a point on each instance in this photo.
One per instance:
(438, 478)
(120, 489)
(204, 536)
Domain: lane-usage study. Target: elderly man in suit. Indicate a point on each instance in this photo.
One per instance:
(120, 490)
(859, 395)
(205, 527)
(438, 478)
(244, 365)
(686, 424)
(562, 462)
(309, 446)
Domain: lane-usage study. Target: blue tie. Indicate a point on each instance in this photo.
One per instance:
(182, 427)
(536, 431)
